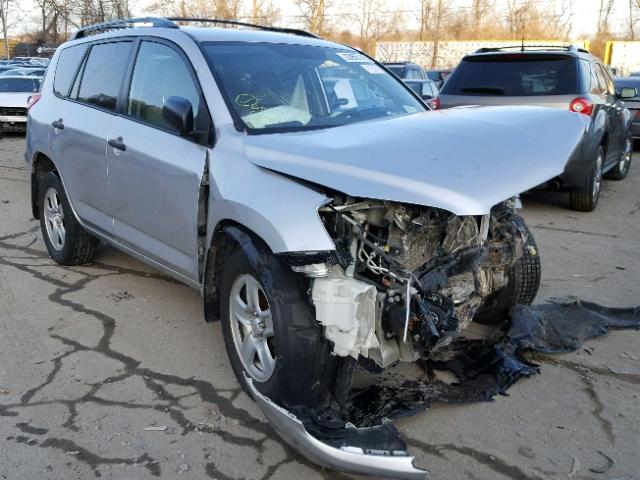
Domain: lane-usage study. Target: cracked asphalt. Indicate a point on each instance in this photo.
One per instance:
(109, 370)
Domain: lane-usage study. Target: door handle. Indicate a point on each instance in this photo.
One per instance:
(117, 143)
(57, 124)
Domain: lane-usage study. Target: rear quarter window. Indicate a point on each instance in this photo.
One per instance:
(514, 75)
(103, 74)
(66, 69)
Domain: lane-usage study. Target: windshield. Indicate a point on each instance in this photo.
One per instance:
(515, 75)
(282, 87)
(26, 85)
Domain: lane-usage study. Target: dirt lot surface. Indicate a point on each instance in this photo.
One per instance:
(109, 370)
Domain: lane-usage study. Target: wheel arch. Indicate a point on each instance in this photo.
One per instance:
(227, 235)
(41, 165)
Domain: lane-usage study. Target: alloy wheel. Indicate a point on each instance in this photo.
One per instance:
(597, 177)
(252, 327)
(54, 218)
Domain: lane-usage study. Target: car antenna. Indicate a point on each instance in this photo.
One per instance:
(522, 43)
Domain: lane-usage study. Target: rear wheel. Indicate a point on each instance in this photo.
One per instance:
(270, 332)
(523, 282)
(66, 241)
(619, 172)
(585, 199)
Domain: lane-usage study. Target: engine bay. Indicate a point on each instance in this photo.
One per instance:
(405, 280)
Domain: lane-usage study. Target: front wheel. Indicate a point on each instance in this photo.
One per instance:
(585, 198)
(619, 172)
(523, 283)
(270, 331)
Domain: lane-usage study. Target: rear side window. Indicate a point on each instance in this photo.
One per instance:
(585, 75)
(514, 75)
(598, 82)
(103, 74)
(66, 69)
(159, 73)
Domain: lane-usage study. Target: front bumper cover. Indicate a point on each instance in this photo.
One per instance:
(346, 458)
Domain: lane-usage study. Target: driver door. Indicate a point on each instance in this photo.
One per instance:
(154, 173)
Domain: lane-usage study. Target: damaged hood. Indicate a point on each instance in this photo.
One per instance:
(463, 160)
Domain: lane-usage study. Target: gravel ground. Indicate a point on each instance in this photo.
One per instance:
(109, 370)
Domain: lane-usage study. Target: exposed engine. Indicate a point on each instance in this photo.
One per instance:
(406, 279)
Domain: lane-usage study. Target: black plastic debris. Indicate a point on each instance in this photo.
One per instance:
(486, 368)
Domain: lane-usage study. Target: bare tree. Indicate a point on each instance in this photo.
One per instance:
(424, 17)
(437, 31)
(604, 14)
(314, 13)
(264, 12)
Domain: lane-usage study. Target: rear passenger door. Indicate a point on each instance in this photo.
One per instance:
(84, 113)
(154, 173)
(616, 117)
(609, 103)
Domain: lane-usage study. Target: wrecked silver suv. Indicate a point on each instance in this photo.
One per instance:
(329, 219)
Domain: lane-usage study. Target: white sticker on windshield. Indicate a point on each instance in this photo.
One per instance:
(372, 68)
(353, 57)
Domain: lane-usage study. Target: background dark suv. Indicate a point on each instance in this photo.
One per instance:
(561, 77)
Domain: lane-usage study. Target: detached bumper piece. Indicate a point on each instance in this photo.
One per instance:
(347, 453)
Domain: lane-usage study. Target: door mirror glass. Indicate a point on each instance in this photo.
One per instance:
(628, 92)
(177, 112)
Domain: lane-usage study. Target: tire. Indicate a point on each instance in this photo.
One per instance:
(585, 199)
(619, 172)
(303, 369)
(523, 283)
(66, 241)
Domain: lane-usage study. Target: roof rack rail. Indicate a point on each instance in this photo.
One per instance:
(171, 23)
(293, 31)
(120, 24)
(524, 48)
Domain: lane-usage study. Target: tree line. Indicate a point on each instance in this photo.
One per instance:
(356, 22)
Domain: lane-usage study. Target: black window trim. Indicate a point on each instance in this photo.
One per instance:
(204, 118)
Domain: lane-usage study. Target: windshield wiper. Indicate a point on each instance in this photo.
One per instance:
(487, 90)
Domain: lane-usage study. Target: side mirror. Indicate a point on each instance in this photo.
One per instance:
(177, 112)
(628, 92)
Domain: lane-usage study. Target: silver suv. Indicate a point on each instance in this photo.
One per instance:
(323, 213)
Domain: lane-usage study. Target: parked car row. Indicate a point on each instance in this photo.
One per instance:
(20, 79)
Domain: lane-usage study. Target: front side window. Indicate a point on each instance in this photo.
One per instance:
(514, 74)
(284, 87)
(103, 74)
(159, 73)
(19, 85)
(68, 63)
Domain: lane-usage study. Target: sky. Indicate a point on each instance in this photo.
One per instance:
(25, 14)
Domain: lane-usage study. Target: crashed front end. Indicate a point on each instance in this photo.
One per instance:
(402, 282)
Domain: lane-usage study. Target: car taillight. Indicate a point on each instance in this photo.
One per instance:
(435, 104)
(637, 113)
(581, 105)
(33, 99)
